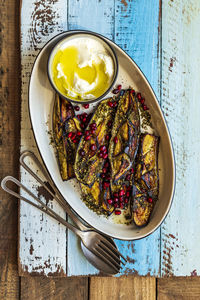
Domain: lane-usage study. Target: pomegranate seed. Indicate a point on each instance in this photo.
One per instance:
(107, 137)
(115, 140)
(82, 125)
(92, 131)
(115, 195)
(87, 138)
(109, 124)
(87, 132)
(79, 133)
(128, 177)
(150, 200)
(122, 193)
(84, 120)
(86, 106)
(109, 201)
(114, 104)
(93, 125)
(105, 156)
(108, 177)
(104, 170)
(103, 175)
(119, 87)
(74, 141)
(117, 212)
(106, 184)
(116, 199)
(121, 205)
(121, 199)
(93, 147)
(142, 101)
(73, 136)
(85, 115)
(79, 117)
(132, 170)
(102, 148)
(145, 107)
(139, 96)
(115, 205)
(70, 134)
(101, 155)
(127, 194)
(110, 103)
(126, 200)
(77, 108)
(115, 91)
(82, 152)
(106, 164)
(132, 92)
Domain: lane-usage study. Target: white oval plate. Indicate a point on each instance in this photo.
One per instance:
(41, 100)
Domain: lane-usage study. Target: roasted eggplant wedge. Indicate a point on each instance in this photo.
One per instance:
(125, 136)
(93, 146)
(64, 121)
(146, 186)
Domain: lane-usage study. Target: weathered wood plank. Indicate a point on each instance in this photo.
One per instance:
(137, 32)
(124, 288)
(96, 16)
(178, 288)
(42, 245)
(51, 289)
(9, 144)
(180, 90)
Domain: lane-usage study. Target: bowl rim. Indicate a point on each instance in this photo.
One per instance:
(116, 66)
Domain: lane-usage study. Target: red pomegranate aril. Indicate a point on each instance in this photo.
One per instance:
(115, 195)
(106, 184)
(119, 87)
(107, 137)
(102, 148)
(87, 132)
(74, 141)
(142, 101)
(115, 205)
(106, 165)
(128, 177)
(121, 199)
(110, 103)
(73, 136)
(82, 125)
(77, 108)
(115, 91)
(108, 178)
(132, 170)
(82, 152)
(126, 200)
(101, 155)
(139, 96)
(87, 138)
(85, 115)
(114, 104)
(70, 135)
(145, 107)
(117, 212)
(116, 199)
(150, 200)
(121, 205)
(105, 156)
(122, 193)
(92, 131)
(110, 201)
(79, 133)
(132, 92)
(115, 140)
(104, 170)
(84, 119)
(93, 126)
(127, 194)
(86, 106)
(79, 117)
(103, 175)
(93, 147)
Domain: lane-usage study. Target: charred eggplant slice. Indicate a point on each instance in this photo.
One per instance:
(65, 122)
(93, 146)
(125, 136)
(145, 191)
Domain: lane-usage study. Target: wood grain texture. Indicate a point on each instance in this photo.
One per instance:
(180, 91)
(136, 32)
(125, 288)
(44, 288)
(178, 288)
(9, 144)
(40, 20)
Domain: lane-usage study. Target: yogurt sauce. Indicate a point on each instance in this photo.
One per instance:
(82, 68)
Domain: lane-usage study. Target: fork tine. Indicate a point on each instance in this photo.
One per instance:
(101, 256)
(110, 245)
(113, 254)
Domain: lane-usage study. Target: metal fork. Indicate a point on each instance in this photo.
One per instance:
(101, 246)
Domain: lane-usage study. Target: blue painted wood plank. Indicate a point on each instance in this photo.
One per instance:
(96, 16)
(180, 93)
(137, 32)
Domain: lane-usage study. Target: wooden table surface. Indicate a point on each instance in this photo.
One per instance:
(14, 287)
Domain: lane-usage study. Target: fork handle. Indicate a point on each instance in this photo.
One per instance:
(44, 208)
(57, 195)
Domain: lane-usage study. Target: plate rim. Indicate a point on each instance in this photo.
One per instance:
(159, 108)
